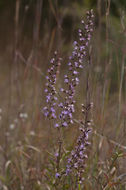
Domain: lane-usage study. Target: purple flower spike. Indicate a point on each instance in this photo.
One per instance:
(76, 161)
(63, 112)
(51, 98)
(75, 64)
(61, 106)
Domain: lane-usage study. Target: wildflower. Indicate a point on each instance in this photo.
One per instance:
(56, 125)
(77, 159)
(56, 154)
(71, 80)
(75, 62)
(57, 175)
(75, 72)
(65, 124)
(51, 98)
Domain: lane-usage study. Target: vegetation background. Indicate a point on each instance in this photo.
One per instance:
(30, 31)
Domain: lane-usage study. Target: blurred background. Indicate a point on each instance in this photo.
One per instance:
(30, 31)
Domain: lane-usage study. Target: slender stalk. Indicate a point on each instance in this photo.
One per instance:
(60, 142)
(16, 46)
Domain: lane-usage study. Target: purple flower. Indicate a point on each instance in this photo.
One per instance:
(61, 89)
(52, 60)
(75, 48)
(45, 108)
(48, 98)
(68, 171)
(82, 39)
(46, 113)
(86, 27)
(70, 68)
(65, 109)
(77, 79)
(82, 48)
(54, 116)
(71, 121)
(56, 125)
(52, 109)
(70, 115)
(46, 90)
(69, 63)
(61, 108)
(57, 175)
(66, 80)
(75, 43)
(76, 64)
(55, 98)
(65, 112)
(80, 66)
(56, 154)
(86, 43)
(51, 97)
(65, 124)
(78, 156)
(75, 72)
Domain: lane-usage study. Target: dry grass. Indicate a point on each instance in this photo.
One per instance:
(27, 139)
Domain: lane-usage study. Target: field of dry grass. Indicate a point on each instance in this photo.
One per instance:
(28, 140)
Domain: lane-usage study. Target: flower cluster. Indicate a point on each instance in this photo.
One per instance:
(51, 95)
(75, 64)
(65, 108)
(78, 156)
